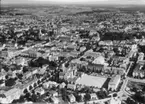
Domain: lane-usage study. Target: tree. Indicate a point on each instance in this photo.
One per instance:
(35, 85)
(53, 88)
(129, 101)
(143, 88)
(21, 99)
(38, 82)
(25, 91)
(25, 69)
(87, 97)
(134, 89)
(78, 98)
(27, 96)
(52, 64)
(64, 94)
(139, 97)
(101, 94)
(6, 68)
(1, 81)
(30, 87)
(34, 97)
(38, 94)
(20, 76)
(33, 91)
(14, 102)
(10, 82)
(6, 77)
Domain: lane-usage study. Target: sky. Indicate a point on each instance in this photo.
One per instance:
(74, 1)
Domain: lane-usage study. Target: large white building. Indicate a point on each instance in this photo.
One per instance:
(10, 95)
(99, 60)
(114, 82)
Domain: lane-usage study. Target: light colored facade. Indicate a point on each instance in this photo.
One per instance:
(115, 101)
(40, 91)
(140, 57)
(11, 95)
(94, 96)
(71, 98)
(55, 100)
(114, 82)
(71, 86)
(54, 93)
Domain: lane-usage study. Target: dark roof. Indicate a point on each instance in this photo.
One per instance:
(95, 65)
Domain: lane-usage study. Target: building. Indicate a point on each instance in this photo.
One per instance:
(62, 85)
(82, 96)
(4, 54)
(64, 38)
(71, 86)
(53, 93)
(43, 69)
(55, 100)
(27, 75)
(106, 43)
(78, 63)
(40, 90)
(92, 54)
(119, 61)
(73, 54)
(11, 95)
(31, 53)
(61, 75)
(70, 73)
(49, 84)
(71, 98)
(95, 67)
(21, 61)
(134, 47)
(114, 82)
(99, 60)
(140, 56)
(94, 96)
(139, 70)
(2, 75)
(46, 85)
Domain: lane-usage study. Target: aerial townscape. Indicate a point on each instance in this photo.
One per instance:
(72, 54)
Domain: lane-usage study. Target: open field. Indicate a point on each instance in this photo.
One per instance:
(92, 81)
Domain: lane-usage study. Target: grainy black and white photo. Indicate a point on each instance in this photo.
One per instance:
(72, 51)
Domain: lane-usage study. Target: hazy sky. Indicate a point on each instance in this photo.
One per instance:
(75, 1)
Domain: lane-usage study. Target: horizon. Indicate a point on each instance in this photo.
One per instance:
(73, 2)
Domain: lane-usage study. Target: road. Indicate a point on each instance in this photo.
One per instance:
(122, 91)
(130, 65)
(136, 80)
(123, 87)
